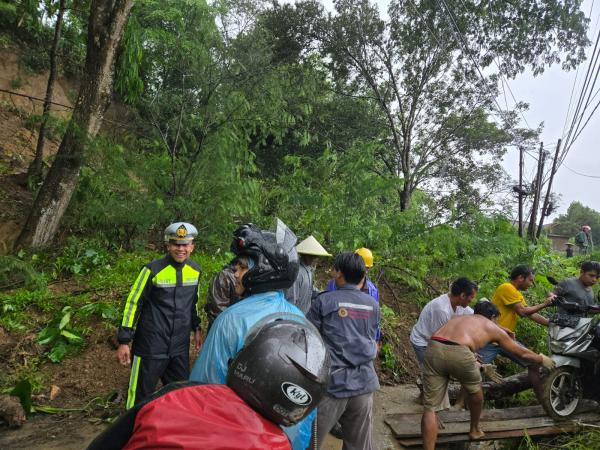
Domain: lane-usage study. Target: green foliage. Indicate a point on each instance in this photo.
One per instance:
(393, 364)
(114, 201)
(388, 359)
(583, 439)
(16, 82)
(30, 24)
(349, 215)
(128, 81)
(569, 224)
(81, 256)
(55, 126)
(60, 336)
(36, 60)
(23, 391)
(121, 273)
(102, 309)
(15, 272)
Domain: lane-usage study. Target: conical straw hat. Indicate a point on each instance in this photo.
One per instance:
(310, 246)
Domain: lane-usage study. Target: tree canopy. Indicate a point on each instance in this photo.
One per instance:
(348, 122)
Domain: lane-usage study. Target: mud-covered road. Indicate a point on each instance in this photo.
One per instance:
(75, 431)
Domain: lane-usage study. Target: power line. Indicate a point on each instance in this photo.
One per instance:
(576, 76)
(503, 79)
(581, 174)
(456, 31)
(465, 47)
(586, 122)
(574, 129)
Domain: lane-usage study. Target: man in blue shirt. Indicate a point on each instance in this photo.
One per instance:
(367, 286)
(348, 320)
(272, 266)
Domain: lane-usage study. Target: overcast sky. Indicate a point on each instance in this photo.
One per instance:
(548, 97)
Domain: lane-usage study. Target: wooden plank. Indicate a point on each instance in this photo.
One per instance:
(411, 429)
(494, 435)
(464, 416)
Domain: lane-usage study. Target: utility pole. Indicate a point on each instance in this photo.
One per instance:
(548, 191)
(521, 150)
(536, 194)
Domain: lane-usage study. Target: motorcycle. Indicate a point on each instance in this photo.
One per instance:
(574, 345)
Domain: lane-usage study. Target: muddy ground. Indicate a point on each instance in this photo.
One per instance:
(74, 431)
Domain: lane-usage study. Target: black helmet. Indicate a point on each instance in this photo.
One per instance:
(283, 369)
(276, 261)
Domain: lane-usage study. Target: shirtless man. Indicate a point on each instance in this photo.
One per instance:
(451, 353)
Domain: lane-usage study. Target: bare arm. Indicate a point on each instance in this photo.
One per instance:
(499, 335)
(539, 319)
(531, 310)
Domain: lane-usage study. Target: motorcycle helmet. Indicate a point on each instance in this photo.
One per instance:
(282, 371)
(275, 258)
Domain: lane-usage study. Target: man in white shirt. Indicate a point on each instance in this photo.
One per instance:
(440, 310)
(436, 313)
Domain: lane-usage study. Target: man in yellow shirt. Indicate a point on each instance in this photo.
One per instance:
(512, 305)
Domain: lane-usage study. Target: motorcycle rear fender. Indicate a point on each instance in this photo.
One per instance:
(561, 360)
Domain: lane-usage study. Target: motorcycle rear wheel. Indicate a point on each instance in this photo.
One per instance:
(561, 393)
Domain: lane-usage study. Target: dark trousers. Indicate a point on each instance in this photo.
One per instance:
(355, 415)
(145, 373)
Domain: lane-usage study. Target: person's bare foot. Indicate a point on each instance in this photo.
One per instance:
(476, 434)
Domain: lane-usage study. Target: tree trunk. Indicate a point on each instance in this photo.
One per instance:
(495, 391)
(34, 174)
(105, 29)
(405, 195)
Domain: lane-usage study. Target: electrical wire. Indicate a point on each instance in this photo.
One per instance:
(579, 173)
(575, 80)
(587, 88)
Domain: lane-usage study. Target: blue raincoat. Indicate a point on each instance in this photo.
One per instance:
(226, 338)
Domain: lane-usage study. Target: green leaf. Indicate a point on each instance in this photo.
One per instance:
(58, 352)
(23, 391)
(72, 337)
(47, 335)
(64, 321)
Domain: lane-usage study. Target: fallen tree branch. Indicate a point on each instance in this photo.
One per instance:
(495, 391)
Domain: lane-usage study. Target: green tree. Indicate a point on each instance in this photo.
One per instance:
(577, 214)
(107, 21)
(422, 69)
(34, 173)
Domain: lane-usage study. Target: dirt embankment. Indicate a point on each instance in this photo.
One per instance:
(21, 100)
(18, 136)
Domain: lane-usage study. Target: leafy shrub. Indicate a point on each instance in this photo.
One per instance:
(16, 82)
(15, 272)
(60, 336)
(81, 256)
(102, 309)
(55, 126)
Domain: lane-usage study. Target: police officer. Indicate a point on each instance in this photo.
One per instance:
(159, 315)
(247, 409)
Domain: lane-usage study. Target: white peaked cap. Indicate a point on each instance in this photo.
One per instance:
(310, 246)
